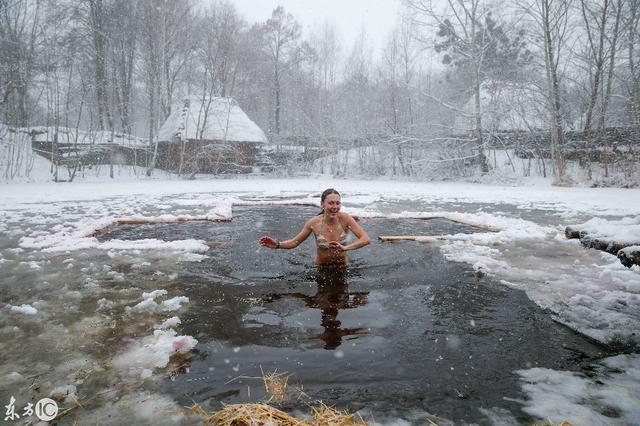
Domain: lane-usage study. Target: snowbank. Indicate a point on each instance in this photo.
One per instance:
(624, 231)
(566, 201)
(610, 397)
(79, 236)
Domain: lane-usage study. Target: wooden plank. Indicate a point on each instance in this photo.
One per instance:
(217, 244)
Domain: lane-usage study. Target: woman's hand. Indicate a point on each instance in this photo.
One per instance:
(268, 242)
(337, 246)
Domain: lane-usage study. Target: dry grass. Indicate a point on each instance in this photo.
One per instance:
(277, 385)
(248, 415)
(323, 415)
(264, 414)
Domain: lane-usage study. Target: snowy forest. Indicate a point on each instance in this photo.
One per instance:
(253, 212)
(460, 89)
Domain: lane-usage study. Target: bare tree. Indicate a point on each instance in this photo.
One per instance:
(472, 39)
(551, 21)
(97, 21)
(166, 45)
(612, 61)
(152, 66)
(632, 23)
(409, 54)
(220, 35)
(598, 19)
(124, 33)
(602, 40)
(282, 35)
(325, 63)
(19, 29)
(355, 111)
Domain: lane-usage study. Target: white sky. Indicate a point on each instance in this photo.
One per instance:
(377, 17)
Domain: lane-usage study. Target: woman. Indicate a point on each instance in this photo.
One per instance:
(330, 227)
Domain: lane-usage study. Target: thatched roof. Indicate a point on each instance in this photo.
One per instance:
(210, 119)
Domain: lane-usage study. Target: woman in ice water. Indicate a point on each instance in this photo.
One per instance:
(330, 227)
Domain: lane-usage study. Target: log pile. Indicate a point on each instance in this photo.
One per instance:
(630, 256)
(624, 251)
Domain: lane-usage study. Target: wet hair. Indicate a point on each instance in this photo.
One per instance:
(325, 194)
(328, 192)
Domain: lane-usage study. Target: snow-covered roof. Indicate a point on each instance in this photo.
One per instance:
(210, 118)
(69, 135)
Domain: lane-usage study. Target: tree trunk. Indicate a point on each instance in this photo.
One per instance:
(553, 95)
(100, 49)
(634, 102)
(598, 54)
(277, 106)
(610, 73)
(484, 166)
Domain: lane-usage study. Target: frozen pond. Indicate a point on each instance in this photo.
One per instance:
(407, 330)
(404, 333)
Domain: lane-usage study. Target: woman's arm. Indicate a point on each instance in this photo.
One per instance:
(363, 238)
(288, 244)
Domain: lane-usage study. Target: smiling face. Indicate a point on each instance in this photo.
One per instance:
(331, 204)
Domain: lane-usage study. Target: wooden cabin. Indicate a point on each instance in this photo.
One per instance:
(209, 135)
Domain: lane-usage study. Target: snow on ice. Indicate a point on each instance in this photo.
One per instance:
(624, 231)
(23, 309)
(523, 246)
(153, 351)
(561, 395)
(150, 305)
(80, 235)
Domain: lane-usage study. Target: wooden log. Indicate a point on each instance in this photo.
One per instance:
(424, 238)
(483, 227)
(216, 244)
(571, 232)
(178, 220)
(629, 257)
(103, 231)
(609, 246)
(261, 204)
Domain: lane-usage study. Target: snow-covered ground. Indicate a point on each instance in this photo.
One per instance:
(45, 224)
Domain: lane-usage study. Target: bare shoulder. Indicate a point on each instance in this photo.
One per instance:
(346, 218)
(312, 222)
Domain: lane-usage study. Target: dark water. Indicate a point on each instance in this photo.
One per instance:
(405, 331)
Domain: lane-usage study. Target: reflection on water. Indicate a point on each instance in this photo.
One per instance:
(332, 295)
